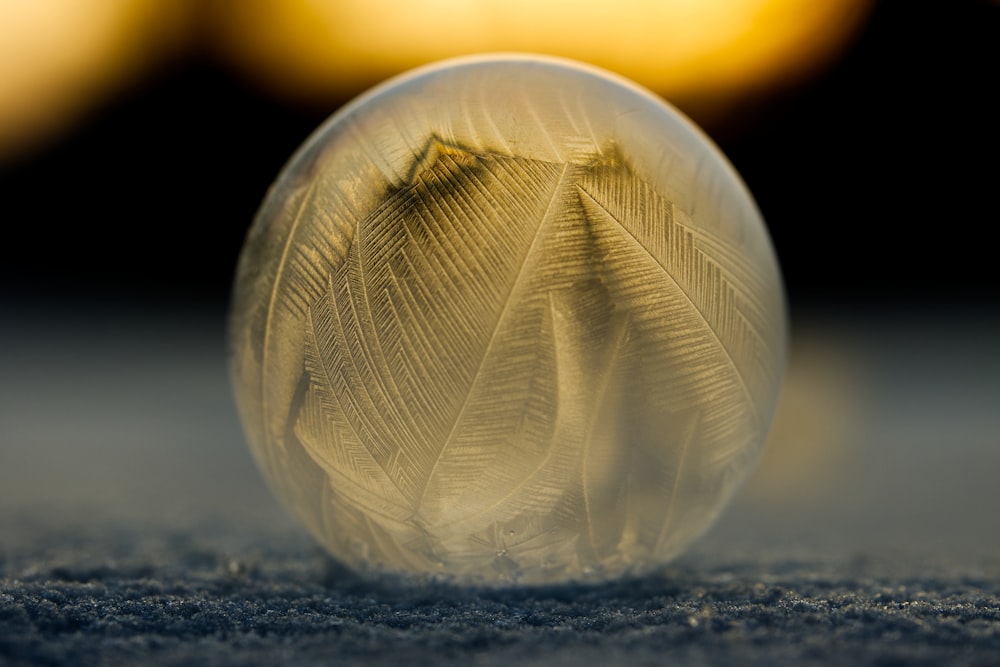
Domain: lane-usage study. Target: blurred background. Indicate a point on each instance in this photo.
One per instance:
(138, 137)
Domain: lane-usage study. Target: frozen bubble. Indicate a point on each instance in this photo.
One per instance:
(507, 305)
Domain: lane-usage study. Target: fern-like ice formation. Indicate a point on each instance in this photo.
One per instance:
(503, 364)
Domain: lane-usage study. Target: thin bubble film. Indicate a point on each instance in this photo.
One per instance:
(507, 319)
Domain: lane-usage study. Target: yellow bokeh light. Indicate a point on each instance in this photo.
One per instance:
(59, 57)
(688, 50)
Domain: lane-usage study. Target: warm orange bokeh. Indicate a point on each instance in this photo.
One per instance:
(697, 52)
(59, 57)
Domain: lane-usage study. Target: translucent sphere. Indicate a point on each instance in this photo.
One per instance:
(507, 319)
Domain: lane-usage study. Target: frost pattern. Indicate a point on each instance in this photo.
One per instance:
(529, 365)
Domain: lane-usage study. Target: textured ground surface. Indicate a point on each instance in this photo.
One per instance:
(179, 598)
(135, 530)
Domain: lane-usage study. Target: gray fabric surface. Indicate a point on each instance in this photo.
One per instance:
(135, 530)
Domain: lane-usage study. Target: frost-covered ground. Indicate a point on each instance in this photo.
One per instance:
(135, 530)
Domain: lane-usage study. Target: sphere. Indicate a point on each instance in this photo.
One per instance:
(507, 319)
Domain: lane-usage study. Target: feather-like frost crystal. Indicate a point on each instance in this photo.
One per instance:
(507, 320)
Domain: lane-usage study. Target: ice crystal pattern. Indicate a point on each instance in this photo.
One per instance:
(500, 365)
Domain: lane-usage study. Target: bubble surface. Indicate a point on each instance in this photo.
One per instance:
(507, 319)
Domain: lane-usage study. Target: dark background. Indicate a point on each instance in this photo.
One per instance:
(878, 177)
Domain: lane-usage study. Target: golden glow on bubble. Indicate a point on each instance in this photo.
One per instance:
(59, 57)
(683, 49)
(507, 319)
